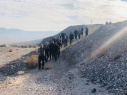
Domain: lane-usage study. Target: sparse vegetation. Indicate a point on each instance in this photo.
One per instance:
(24, 46)
(32, 61)
(29, 46)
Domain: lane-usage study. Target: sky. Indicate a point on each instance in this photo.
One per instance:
(56, 15)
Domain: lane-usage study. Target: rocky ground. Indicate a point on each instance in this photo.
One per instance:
(94, 65)
(62, 79)
(12, 59)
(10, 53)
(102, 57)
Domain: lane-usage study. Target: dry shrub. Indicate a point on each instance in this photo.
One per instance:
(48, 66)
(30, 46)
(35, 46)
(24, 46)
(32, 61)
(14, 59)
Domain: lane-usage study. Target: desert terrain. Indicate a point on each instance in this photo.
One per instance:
(96, 62)
(61, 79)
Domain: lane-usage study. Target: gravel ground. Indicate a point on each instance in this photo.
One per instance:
(102, 57)
(62, 79)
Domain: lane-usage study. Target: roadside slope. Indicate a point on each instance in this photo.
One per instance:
(102, 56)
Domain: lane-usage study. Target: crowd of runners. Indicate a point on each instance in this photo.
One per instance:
(51, 50)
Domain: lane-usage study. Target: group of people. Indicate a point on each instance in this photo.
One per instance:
(51, 50)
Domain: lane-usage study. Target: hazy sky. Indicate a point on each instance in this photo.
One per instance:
(55, 15)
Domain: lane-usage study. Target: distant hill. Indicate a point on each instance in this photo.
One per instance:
(33, 42)
(10, 36)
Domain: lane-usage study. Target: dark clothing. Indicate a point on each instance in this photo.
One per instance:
(71, 37)
(51, 48)
(46, 47)
(41, 58)
(59, 45)
(41, 51)
(56, 48)
(66, 40)
(82, 31)
(86, 31)
(75, 32)
(54, 40)
(79, 33)
(62, 35)
(79, 36)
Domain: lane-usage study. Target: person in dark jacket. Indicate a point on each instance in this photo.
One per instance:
(66, 39)
(86, 31)
(71, 37)
(75, 32)
(51, 48)
(60, 45)
(53, 39)
(56, 48)
(46, 47)
(59, 38)
(82, 31)
(41, 57)
(79, 33)
(62, 35)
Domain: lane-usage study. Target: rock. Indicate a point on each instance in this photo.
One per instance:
(86, 83)
(94, 90)
(20, 72)
(10, 50)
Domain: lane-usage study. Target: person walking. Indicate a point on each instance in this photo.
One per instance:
(71, 37)
(63, 39)
(66, 39)
(56, 48)
(41, 57)
(82, 31)
(79, 33)
(86, 31)
(46, 47)
(59, 46)
(75, 32)
(53, 39)
(51, 48)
